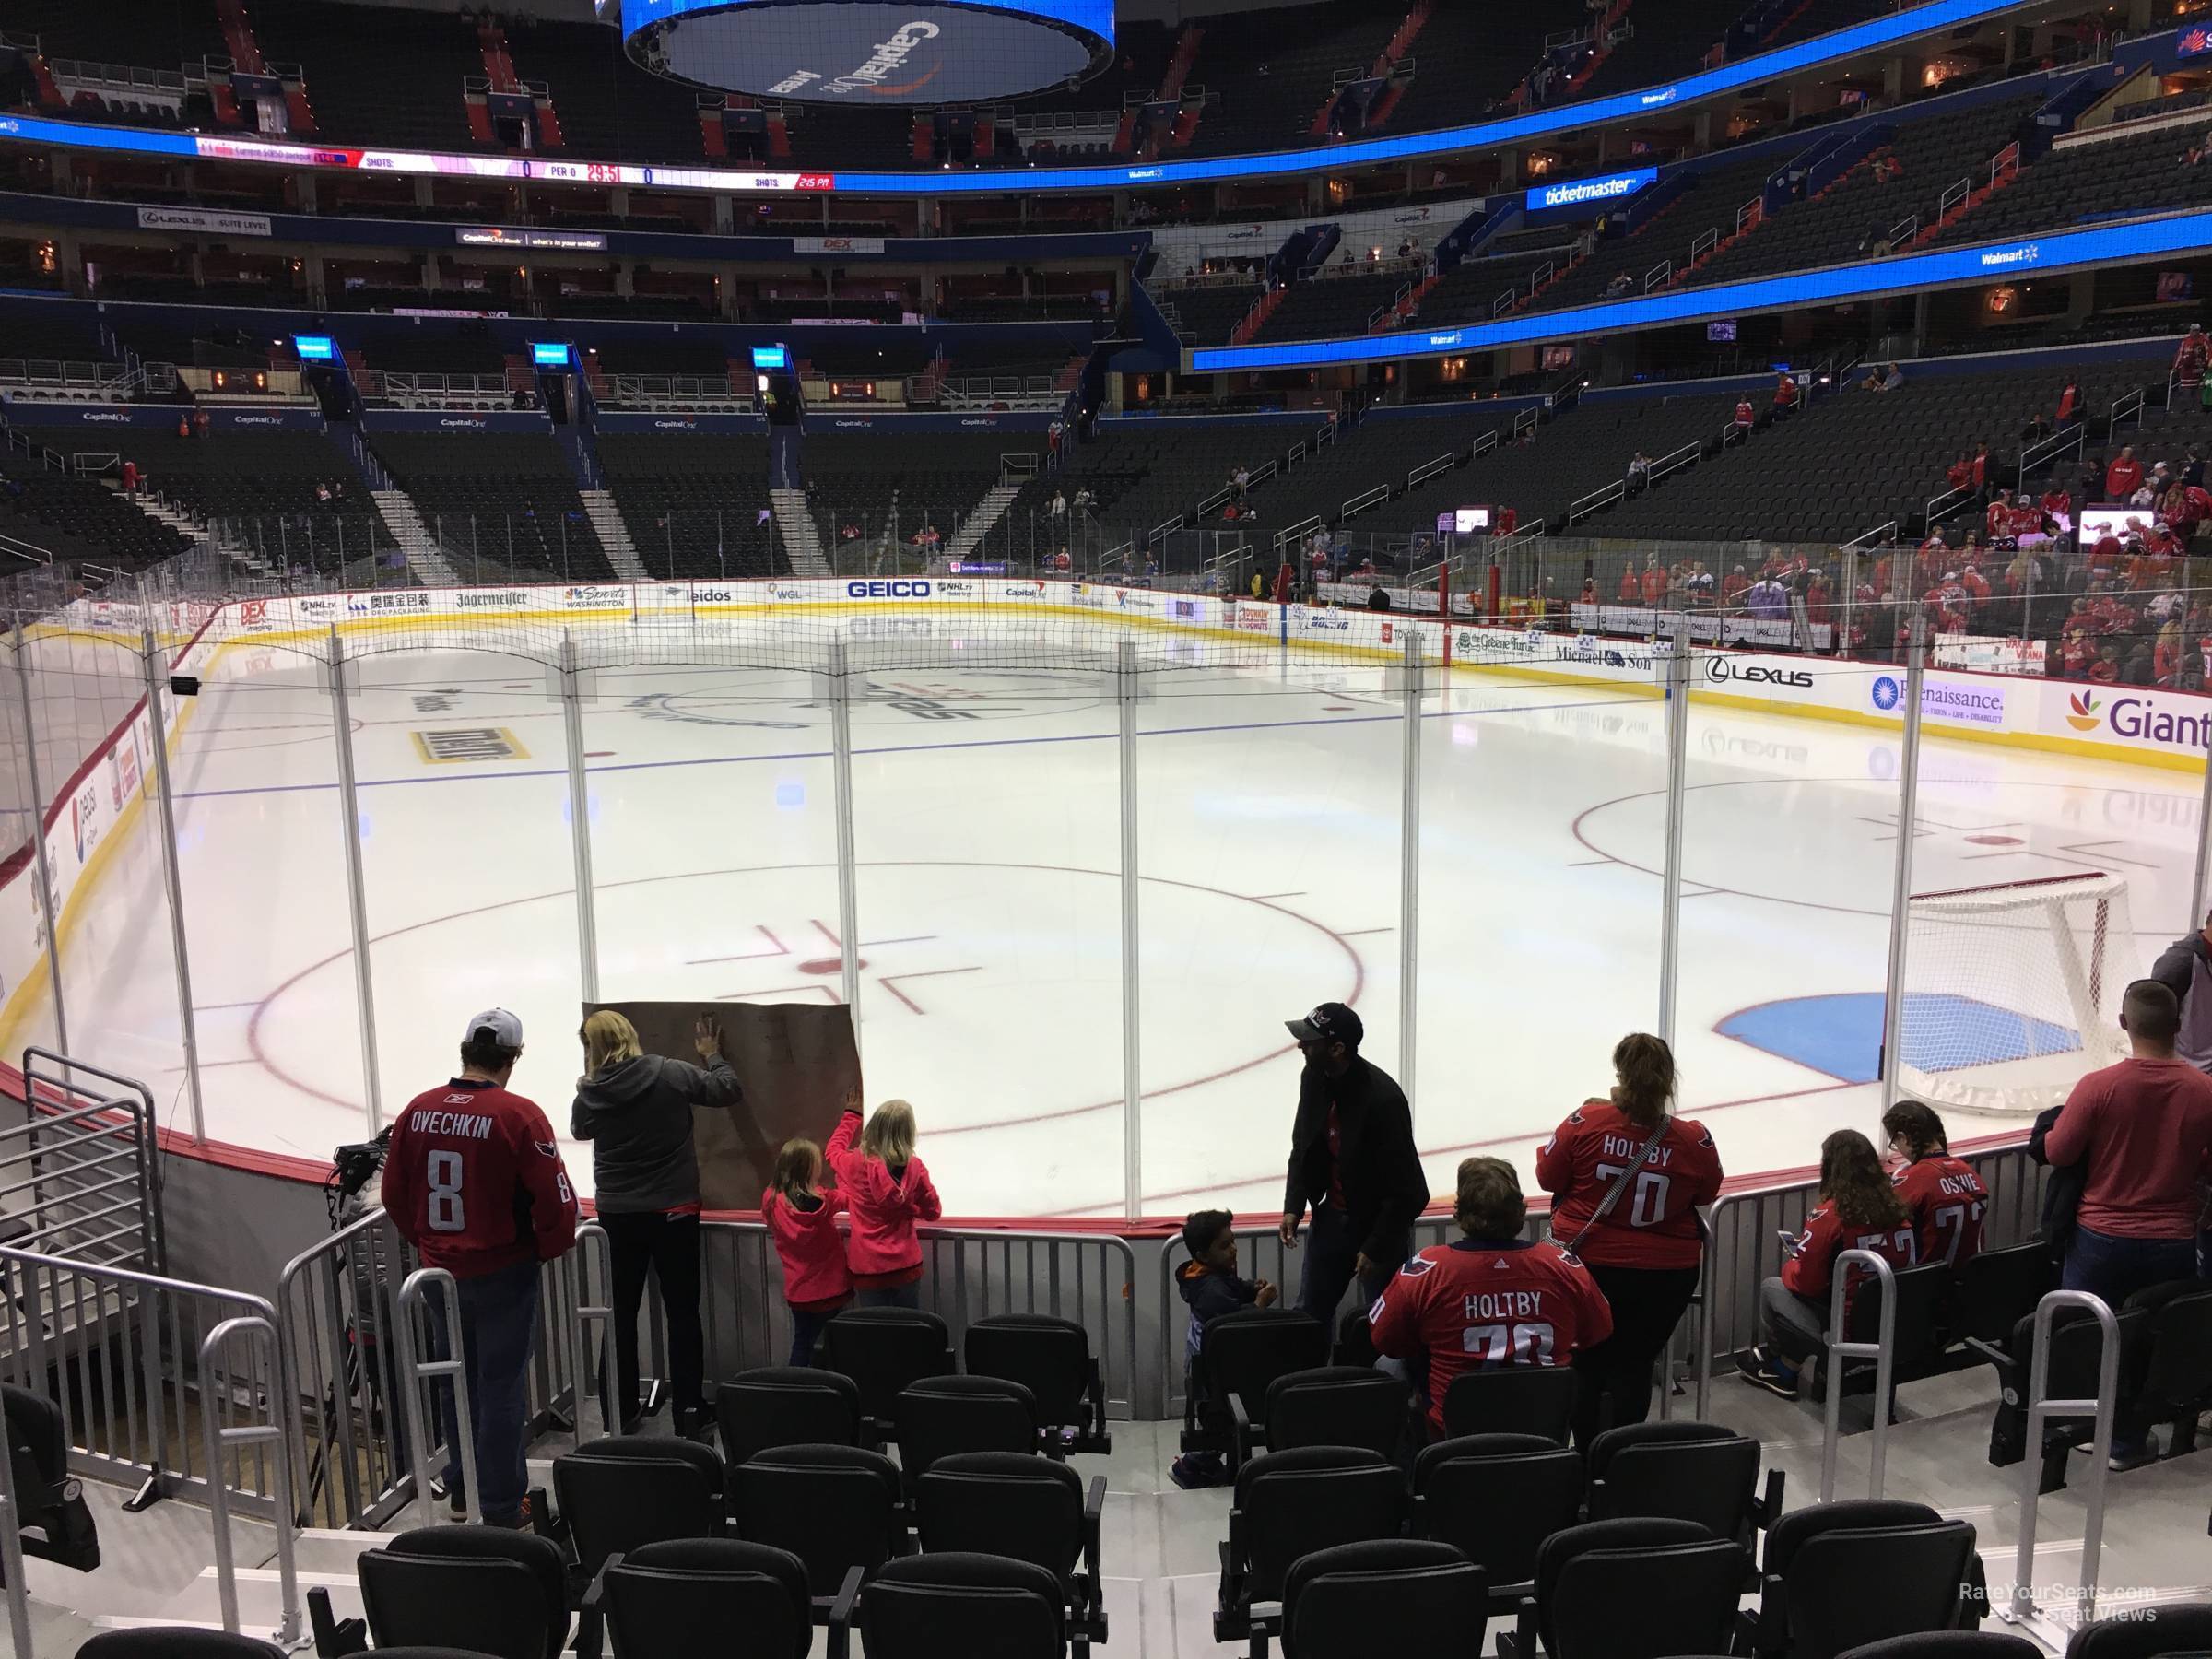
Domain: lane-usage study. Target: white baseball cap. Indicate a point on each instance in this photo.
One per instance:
(506, 1030)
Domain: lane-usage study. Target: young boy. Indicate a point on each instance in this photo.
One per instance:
(1209, 1283)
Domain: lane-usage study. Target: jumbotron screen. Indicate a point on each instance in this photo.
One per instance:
(870, 52)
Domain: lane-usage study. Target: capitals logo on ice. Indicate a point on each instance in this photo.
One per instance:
(2082, 713)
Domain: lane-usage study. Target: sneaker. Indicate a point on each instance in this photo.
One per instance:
(2124, 1458)
(1761, 1369)
(1194, 1471)
(520, 1521)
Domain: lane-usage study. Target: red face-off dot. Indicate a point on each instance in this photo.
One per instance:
(1993, 841)
(830, 965)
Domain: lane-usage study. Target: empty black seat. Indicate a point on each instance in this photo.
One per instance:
(1051, 1359)
(884, 1351)
(940, 1415)
(933, 1606)
(1240, 1356)
(2177, 1631)
(57, 1522)
(1511, 1399)
(1495, 1498)
(622, 1492)
(1288, 1504)
(785, 1405)
(480, 1588)
(1428, 1596)
(177, 1642)
(1814, 1600)
(1948, 1644)
(1636, 1589)
(685, 1595)
(837, 1508)
(1028, 1508)
(1697, 1471)
(2171, 1382)
(1330, 1405)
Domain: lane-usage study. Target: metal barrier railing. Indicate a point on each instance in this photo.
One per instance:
(2020, 1605)
(86, 1160)
(1882, 1350)
(108, 1344)
(592, 1237)
(414, 1297)
(11, 1548)
(222, 1437)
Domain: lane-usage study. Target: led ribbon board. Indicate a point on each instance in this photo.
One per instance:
(1882, 32)
(2071, 250)
(1586, 192)
(870, 52)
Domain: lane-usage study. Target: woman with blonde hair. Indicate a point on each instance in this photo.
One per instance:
(636, 1110)
(887, 1191)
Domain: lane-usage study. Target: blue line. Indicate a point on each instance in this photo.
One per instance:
(905, 748)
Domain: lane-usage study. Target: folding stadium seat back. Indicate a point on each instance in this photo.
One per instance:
(1926, 1296)
(1697, 1471)
(953, 1606)
(482, 1588)
(663, 1598)
(1948, 1644)
(2172, 1380)
(1337, 1405)
(1999, 1288)
(884, 1350)
(1288, 1503)
(940, 1415)
(836, 1508)
(2157, 1632)
(1820, 1562)
(1634, 1589)
(1495, 1498)
(785, 1405)
(1244, 1353)
(1051, 1359)
(1007, 1504)
(183, 1641)
(1427, 1595)
(2072, 1375)
(57, 1523)
(1511, 1399)
(621, 1492)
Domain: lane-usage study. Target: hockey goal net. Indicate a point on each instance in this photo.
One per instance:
(2012, 992)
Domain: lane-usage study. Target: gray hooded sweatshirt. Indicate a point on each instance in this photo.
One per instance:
(636, 1114)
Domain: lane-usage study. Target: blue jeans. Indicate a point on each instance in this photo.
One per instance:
(498, 1325)
(2115, 1269)
(1332, 1248)
(806, 1330)
(890, 1296)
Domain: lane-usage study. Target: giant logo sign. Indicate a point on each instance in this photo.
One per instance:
(870, 50)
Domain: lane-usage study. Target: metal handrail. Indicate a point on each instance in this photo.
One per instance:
(415, 1372)
(1604, 495)
(276, 1431)
(1871, 538)
(1431, 470)
(588, 1310)
(1704, 245)
(1362, 501)
(1659, 275)
(1882, 1351)
(1945, 503)
(1689, 455)
(2023, 1602)
(1291, 533)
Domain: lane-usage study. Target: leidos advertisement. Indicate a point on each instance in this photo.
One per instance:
(870, 50)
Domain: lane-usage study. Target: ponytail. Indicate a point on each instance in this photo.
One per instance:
(1643, 1068)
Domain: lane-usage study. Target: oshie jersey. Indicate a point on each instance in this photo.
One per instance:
(1653, 1225)
(1478, 1305)
(1947, 1201)
(473, 1179)
(1811, 1269)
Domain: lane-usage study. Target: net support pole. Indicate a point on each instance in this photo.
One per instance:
(1677, 663)
(2197, 891)
(848, 875)
(172, 879)
(38, 843)
(1409, 865)
(1901, 892)
(579, 817)
(357, 889)
(1133, 1088)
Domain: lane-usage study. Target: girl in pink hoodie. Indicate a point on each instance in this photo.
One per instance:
(887, 1191)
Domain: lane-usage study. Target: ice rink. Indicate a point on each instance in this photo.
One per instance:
(987, 823)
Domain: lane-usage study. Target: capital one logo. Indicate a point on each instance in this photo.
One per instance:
(2082, 712)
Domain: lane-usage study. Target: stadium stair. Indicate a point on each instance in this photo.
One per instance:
(183, 523)
(423, 554)
(983, 521)
(802, 541)
(613, 536)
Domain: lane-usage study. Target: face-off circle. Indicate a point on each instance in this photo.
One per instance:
(870, 52)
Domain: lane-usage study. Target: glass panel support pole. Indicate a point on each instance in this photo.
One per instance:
(1676, 665)
(1900, 893)
(157, 685)
(1409, 864)
(848, 873)
(2197, 891)
(37, 843)
(573, 691)
(357, 892)
(1133, 1088)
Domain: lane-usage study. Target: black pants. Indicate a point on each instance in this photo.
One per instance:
(669, 1245)
(1647, 1304)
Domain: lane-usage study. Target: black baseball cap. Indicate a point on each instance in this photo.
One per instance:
(1331, 1022)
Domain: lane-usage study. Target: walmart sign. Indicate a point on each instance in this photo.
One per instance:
(1579, 192)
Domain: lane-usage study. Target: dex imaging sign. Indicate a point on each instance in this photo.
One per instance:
(1579, 192)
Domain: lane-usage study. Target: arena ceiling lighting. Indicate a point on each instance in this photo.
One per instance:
(870, 52)
(1893, 30)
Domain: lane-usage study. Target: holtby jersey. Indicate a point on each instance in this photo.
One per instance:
(1479, 1303)
(1947, 1201)
(473, 1179)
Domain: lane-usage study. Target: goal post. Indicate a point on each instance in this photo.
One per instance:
(2012, 990)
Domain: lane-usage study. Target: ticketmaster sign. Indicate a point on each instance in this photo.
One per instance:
(1578, 193)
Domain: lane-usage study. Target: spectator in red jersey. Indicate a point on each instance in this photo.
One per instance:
(2124, 475)
(130, 477)
(1997, 520)
(2058, 506)
(2105, 553)
(1980, 465)
(1745, 416)
(2105, 669)
(2069, 403)
(801, 1217)
(1946, 1196)
(1654, 582)
(1959, 473)
(1285, 581)
(887, 1191)
(1733, 586)
(1627, 1180)
(1786, 395)
(473, 1179)
(1858, 1210)
(2190, 356)
(636, 1110)
(2074, 654)
(1509, 520)
(1631, 585)
(1489, 1299)
(2143, 1128)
